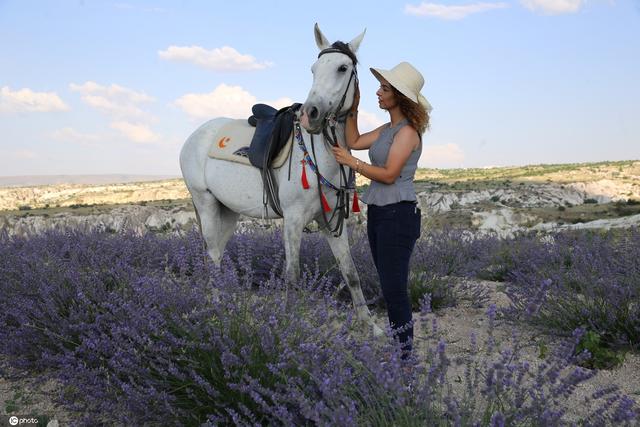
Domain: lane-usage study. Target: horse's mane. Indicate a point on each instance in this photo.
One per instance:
(344, 48)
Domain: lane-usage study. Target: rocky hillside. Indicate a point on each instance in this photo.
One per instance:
(544, 197)
(68, 195)
(501, 200)
(508, 208)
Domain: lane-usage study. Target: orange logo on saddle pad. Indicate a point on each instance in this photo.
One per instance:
(223, 141)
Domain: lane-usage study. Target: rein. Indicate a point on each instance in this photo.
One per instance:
(342, 192)
(347, 185)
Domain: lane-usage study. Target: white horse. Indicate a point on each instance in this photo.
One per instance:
(222, 190)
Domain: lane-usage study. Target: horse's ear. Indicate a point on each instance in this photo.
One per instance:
(355, 43)
(321, 40)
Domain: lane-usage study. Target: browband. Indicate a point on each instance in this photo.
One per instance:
(337, 50)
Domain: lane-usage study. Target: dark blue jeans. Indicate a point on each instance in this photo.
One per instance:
(393, 231)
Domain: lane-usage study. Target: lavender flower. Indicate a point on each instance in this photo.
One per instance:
(145, 330)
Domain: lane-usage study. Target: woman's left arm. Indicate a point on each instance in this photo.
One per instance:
(405, 141)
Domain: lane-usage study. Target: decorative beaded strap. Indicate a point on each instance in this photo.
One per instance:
(307, 158)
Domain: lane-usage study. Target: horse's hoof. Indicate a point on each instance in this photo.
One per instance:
(377, 331)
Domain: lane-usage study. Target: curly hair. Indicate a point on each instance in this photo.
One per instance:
(415, 113)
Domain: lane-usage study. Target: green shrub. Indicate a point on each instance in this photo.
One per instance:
(601, 356)
(441, 289)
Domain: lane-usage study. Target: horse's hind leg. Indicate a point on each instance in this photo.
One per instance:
(217, 223)
(340, 248)
(292, 237)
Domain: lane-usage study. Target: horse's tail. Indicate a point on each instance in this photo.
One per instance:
(193, 157)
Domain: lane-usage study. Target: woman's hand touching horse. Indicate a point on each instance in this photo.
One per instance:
(343, 157)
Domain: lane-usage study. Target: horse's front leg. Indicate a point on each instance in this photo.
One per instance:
(340, 249)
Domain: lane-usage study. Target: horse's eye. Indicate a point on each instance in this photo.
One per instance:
(343, 68)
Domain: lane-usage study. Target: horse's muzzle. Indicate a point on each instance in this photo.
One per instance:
(312, 119)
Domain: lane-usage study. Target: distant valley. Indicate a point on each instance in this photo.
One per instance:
(495, 200)
(33, 180)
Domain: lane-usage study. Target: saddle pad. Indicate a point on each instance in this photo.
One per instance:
(232, 141)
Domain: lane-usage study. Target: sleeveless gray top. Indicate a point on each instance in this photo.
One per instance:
(402, 189)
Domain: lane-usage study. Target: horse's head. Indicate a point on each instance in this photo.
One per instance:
(334, 80)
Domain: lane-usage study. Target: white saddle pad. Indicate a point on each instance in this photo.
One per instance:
(235, 137)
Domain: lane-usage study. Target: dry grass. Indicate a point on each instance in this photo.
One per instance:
(624, 171)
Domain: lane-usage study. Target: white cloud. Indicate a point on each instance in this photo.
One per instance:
(368, 121)
(220, 59)
(553, 7)
(136, 132)
(451, 12)
(25, 154)
(443, 155)
(28, 101)
(115, 100)
(112, 91)
(224, 101)
(6, 155)
(120, 104)
(69, 134)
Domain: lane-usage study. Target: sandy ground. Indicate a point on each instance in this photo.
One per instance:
(24, 398)
(456, 324)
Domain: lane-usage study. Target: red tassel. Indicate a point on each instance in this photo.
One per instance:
(325, 204)
(305, 183)
(356, 206)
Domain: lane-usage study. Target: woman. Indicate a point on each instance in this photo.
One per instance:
(393, 216)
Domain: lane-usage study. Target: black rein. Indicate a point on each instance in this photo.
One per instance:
(342, 196)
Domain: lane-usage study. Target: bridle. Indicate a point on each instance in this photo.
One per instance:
(334, 116)
(347, 185)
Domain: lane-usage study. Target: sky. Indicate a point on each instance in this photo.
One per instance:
(104, 87)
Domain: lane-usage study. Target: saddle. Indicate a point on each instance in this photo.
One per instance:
(273, 131)
(270, 131)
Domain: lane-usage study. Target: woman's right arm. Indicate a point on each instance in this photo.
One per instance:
(355, 141)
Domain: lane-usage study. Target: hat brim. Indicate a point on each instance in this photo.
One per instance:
(388, 76)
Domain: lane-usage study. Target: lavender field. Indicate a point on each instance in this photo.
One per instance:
(143, 330)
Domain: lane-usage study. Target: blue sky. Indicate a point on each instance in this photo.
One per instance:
(95, 87)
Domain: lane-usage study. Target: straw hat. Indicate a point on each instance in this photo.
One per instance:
(407, 80)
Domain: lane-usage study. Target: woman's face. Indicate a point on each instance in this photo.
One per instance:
(386, 97)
